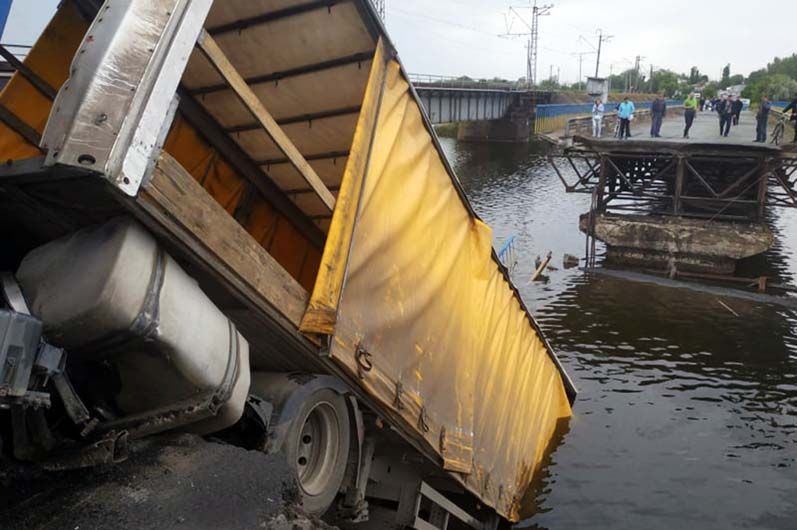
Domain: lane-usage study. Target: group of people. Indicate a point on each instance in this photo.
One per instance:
(625, 114)
(727, 107)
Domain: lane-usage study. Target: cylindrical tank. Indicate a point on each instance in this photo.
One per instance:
(109, 293)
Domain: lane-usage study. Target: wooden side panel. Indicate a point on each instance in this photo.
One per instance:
(173, 192)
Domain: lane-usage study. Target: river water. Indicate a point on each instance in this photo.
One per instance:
(687, 413)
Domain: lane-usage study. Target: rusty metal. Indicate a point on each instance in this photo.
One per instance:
(703, 181)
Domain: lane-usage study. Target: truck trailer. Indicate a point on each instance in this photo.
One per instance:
(233, 218)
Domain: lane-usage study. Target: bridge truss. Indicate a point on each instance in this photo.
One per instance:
(702, 181)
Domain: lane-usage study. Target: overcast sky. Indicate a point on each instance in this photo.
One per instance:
(456, 37)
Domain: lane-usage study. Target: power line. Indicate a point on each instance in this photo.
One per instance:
(441, 21)
(533, 34)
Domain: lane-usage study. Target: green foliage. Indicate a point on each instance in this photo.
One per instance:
(786, 66)
(777, 87)
(549, 84)
(711, 90)
(726, 75)
(694, 76)
(664, 81)
(733, 80)
(778, 80)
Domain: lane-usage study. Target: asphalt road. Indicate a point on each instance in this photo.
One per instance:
(706, 128)
(174, 482)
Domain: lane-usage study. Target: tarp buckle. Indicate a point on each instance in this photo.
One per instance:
(399, 392)
(364, 362)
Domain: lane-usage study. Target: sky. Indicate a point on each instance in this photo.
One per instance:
(461, 37)
(456, 37)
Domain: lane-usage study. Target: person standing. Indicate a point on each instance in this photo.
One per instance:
(690, 110)
(658, 109)
(725, 111)
(737, 109)
(793, 108)
(597, 118)
(762, 118)
(625, 113)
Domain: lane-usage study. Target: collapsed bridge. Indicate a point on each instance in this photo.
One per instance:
(699, 207)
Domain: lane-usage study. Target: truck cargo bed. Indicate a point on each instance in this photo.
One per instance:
(279, 153)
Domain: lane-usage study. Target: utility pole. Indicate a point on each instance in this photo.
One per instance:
(380, 8)
(601, 39)
(533, 34)
(637, 66)
(580, 56)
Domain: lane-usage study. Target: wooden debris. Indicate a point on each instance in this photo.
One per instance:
(541, 267)
(726, 306)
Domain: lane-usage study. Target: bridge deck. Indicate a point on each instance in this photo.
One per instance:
(705, 129)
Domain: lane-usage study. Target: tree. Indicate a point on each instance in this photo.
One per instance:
(694, 75)
(726, 74)
(734, 80)
(664, 81)
(786, 66)
(777, 87)
(621, 82)
(549, 84)
(710, 90)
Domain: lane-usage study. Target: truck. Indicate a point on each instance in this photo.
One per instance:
(233, 218)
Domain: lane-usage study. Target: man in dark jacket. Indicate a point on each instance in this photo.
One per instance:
(737, 110)
(793, 108)
(761, 118)
(658, 109)
(725, 111)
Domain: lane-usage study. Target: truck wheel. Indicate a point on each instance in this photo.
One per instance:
(317, 448)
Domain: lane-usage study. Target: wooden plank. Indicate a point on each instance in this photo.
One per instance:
(254, 105)
(173, 194)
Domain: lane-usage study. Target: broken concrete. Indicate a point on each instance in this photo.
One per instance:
(168, 482)
(690, 244)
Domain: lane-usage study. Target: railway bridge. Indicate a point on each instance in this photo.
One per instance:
(484, 110)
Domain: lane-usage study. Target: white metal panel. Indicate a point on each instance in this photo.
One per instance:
(109, 114)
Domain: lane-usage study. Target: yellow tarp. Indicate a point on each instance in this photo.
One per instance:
(429, 324)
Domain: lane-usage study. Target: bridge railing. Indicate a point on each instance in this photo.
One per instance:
(555, 116)
(443, 81)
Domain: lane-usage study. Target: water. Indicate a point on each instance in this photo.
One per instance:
(687, 414)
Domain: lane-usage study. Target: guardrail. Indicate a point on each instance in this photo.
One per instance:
(555, 117)
(445, 81)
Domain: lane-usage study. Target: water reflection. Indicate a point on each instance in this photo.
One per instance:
(687, 414)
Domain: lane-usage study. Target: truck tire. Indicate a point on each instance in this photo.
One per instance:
(317, 448)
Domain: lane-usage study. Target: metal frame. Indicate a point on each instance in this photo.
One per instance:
(699, 181)
(113, 127)
(276, 77)
(440, 511)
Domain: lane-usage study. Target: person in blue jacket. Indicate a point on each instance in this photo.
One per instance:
(625, 113)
